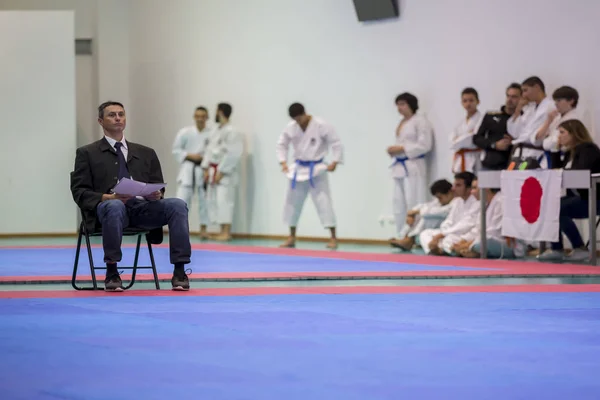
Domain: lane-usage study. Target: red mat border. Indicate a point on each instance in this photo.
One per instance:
(407, 258)
(270, 291)
(501, 268)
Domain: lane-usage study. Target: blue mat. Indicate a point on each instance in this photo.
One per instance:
(350, 347)
(50, 262)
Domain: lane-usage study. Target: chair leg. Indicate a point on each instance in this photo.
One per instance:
(91, 259)
(80, 237)
(597, 223)
(156, 282)
(76, 263)
(135, 262)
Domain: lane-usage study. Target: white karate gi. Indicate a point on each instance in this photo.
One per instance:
(526, 126)
(550, 142)
(430, 216)
(493, 223)
(497, 246)
(466, 154)
(190, 178)
(223, 154)
(458, 222)
(310, 147)
(409, 169)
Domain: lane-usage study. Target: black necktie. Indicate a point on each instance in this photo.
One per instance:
(123, 171)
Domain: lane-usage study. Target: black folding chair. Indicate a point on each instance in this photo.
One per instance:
(597, 223)
(83, 233)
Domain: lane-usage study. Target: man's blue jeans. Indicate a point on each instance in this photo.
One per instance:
(115, 216)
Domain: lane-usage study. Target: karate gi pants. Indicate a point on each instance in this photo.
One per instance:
(321, 197)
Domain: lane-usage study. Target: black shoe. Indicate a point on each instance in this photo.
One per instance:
(180, 282)
(113, 283)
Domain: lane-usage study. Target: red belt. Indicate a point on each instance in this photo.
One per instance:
(461, 153)
(215, 168)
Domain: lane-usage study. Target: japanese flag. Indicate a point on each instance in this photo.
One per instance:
(531, 204)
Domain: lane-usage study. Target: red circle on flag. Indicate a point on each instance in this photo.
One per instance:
(531, 199)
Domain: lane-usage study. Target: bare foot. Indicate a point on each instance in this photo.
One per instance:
(222, 237)
(470, 254)
(405, 244)
(333, 244)
(437, 252)
(290, 243)
(533, 253)
(204, 236)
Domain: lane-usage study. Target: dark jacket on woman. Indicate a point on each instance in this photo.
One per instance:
(586, 156)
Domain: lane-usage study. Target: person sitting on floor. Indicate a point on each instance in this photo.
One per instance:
(581, 154)
(459, 219)
(469, 244)
(426, 215)
(98, 168)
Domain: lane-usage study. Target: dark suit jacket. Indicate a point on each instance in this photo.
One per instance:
(95, 173)
(586, 156)
(492, 129)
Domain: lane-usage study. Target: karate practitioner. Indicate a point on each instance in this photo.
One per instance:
(460, 220)
(221, 170)
(311, 139)
(188, 149)
(426, 215)
(466, 154)
(565, 99)
(414, 138)
(528, 120)
(469, 245)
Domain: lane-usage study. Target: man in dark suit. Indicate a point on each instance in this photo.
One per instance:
(98, 168)
(492, 136)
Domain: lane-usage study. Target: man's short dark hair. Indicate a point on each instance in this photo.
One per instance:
(534, 80)
(202, 108)
(496, 190)
(567, 93)
(470, 90)
(467, 177)
(296, 110)
(441, 187)
(103, 106)
(225, 108)
(516, 86)
(410, 99)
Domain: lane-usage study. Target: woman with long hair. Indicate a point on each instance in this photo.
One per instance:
(581, 153)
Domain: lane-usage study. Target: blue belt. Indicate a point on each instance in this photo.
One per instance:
(311, 166)
(548, 155)
(402, 160)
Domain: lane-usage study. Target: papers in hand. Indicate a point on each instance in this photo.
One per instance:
(129, 187)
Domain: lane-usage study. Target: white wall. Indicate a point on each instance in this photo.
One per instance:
(262, 55)
(38, 134)
(85, 12)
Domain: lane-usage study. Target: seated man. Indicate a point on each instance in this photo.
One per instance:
(459, 219)
(469, 244)
(426, 215)
(98, 168)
